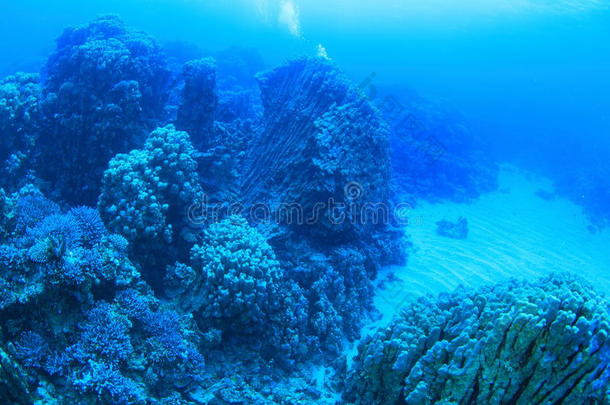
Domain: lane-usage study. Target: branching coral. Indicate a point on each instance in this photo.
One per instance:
(48, 250)
(105, 85)
(513, 343)
(146, 195)
(101, 336)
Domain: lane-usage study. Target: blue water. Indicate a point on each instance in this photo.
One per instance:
(207, 202)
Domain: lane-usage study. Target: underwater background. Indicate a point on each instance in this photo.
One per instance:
(305, 202)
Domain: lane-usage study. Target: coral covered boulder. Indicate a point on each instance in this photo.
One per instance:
(198, 102)
(146, 195)
(514, 343)
(235, 284)
(316, 179)
(19, 124)
(321, 141)
(105, 86)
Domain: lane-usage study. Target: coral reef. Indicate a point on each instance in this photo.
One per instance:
(519, 342)
(104, 90)
(453, 230)
(120, 303)
(235, 285)
(56, 251)
(80, 320)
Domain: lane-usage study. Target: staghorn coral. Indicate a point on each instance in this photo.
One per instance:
(101, 336)
(105, 87)
(518, 342)
(128, 351)
(146, 195)
(49, 251)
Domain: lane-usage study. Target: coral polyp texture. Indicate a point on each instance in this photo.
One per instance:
(235, 285)
(518, 342)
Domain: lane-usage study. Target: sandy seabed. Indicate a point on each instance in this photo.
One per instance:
(512, 233)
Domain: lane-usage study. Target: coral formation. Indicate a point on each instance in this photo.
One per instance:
(198, 102)
(146, 194)
(453, 230)
(235, 285)
(119, 304)
(100, 337)
(58, 251)
(104, 90)
(19, 119)
(325, 195)
(519, 342)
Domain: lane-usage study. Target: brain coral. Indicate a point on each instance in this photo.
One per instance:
(514, 343)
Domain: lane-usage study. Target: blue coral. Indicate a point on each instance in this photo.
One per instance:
(309, 154)
(90, 223)
(31, 349)
(106, 334)
(235, 284)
